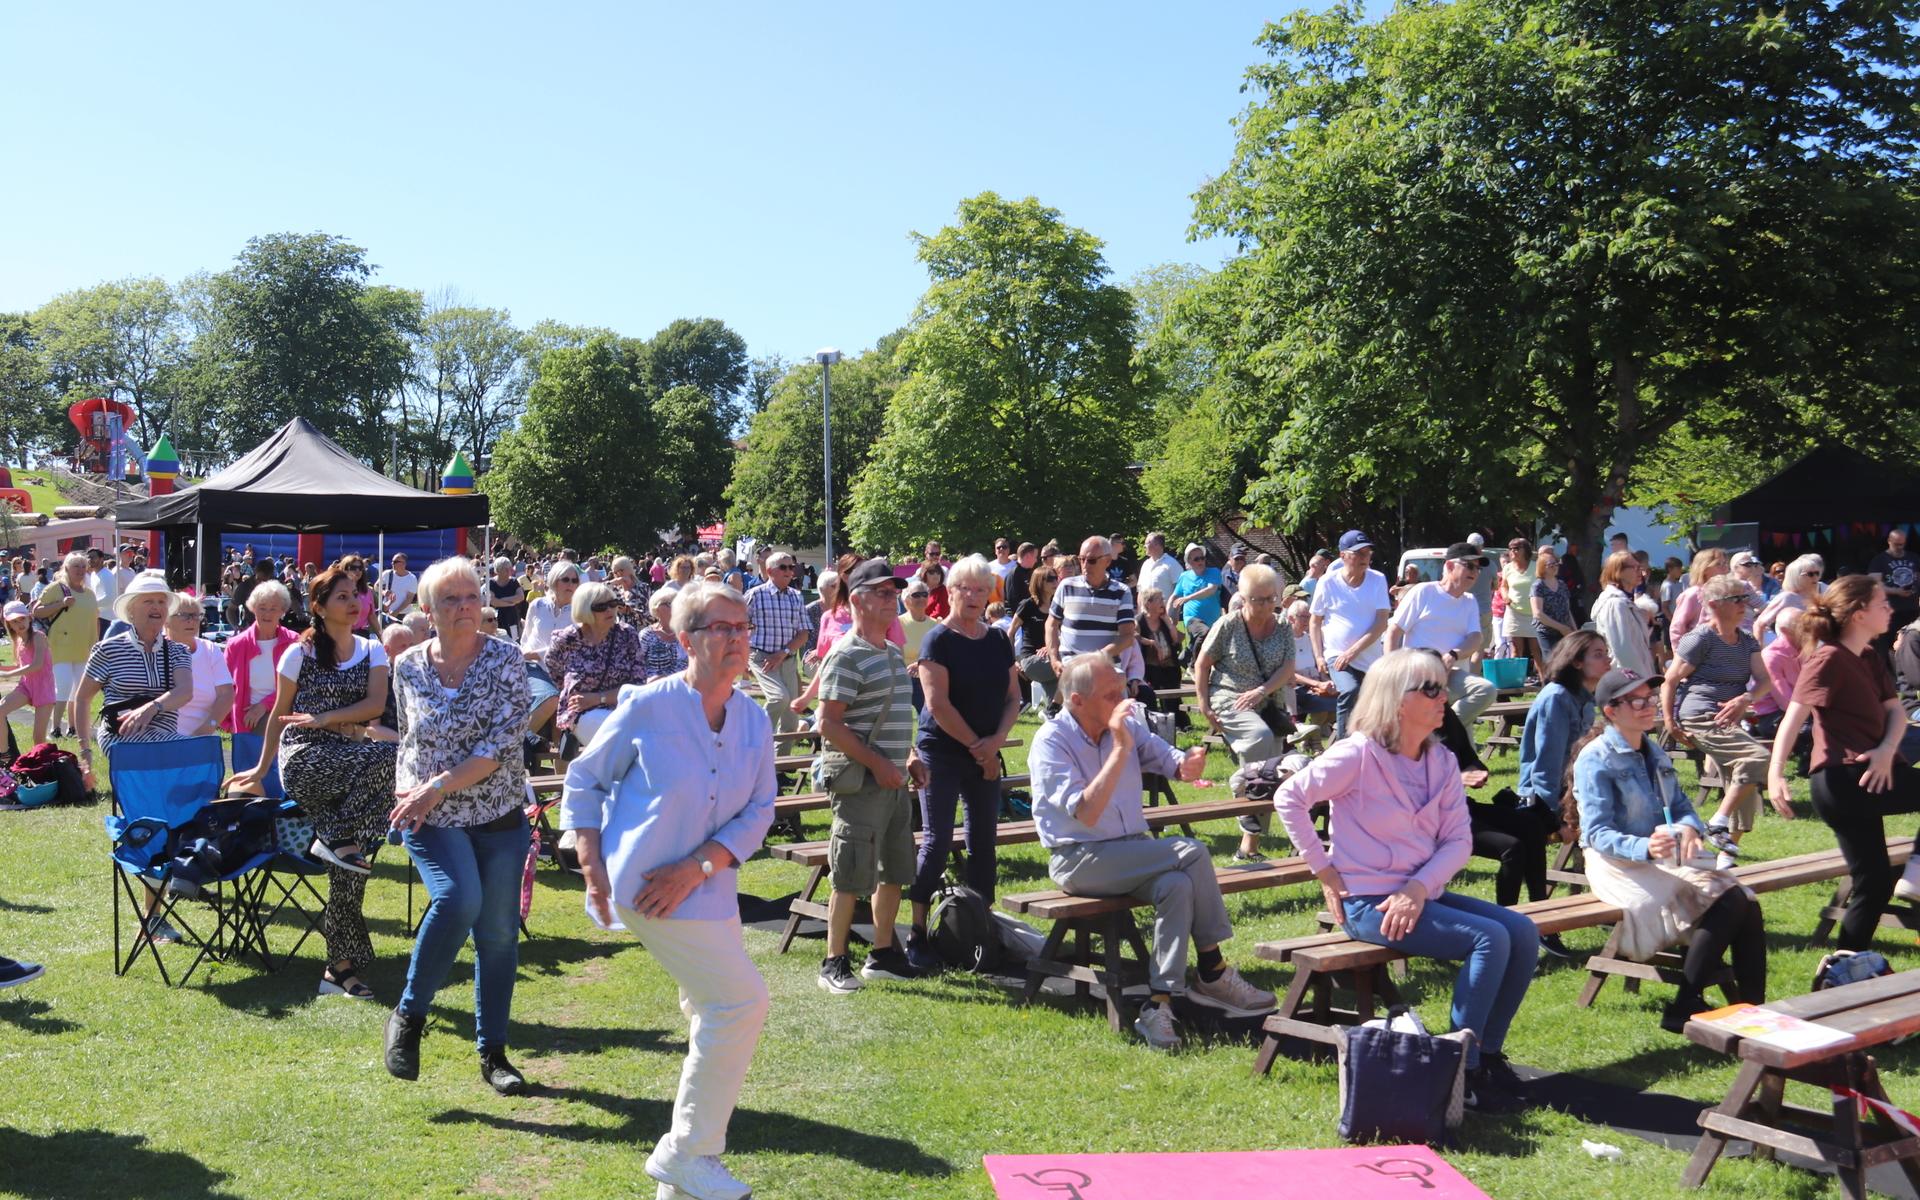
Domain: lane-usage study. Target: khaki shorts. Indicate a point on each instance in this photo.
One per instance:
(1742, 759)
(872, 840)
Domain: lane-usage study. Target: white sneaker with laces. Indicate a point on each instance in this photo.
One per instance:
(1232, 993)
(703, 1178)
(1909, 886)
(1155, 1027)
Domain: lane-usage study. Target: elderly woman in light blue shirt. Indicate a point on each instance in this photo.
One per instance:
(674, 792)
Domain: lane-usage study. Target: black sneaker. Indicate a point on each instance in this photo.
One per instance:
(1675, 1016)
(1485, 1095)
(1500, 1072)
(1721, 838)
(837, 977)
(501, 1075)
(13, 974)
(888, 962)
(403, 1044)
(921, 955)
(1551, 944)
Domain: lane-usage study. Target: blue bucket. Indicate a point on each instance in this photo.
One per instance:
(32, 795)
(1505, 672)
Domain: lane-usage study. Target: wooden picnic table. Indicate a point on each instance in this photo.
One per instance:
(1874, 1012)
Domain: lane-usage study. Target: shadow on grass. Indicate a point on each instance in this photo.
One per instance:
(93, 1162)
(30, 1016)
(752, 1130)
(451, 1020)
(7, 905)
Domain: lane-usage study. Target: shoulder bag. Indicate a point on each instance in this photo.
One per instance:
(110, 713)
(1272, 711)
(838, 772)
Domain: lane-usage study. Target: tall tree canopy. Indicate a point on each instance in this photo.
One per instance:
(778, 488)
(572, 471)
(126, 338)
(1019, 403)
(294, 329)
(1501, 249)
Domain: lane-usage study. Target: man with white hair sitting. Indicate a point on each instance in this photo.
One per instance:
(1087, 765)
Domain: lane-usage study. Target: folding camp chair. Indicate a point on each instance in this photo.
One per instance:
(286, 885)
(157, 788)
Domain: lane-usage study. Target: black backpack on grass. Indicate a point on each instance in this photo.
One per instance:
(962, 929)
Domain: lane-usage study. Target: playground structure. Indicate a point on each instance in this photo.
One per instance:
(106, 440)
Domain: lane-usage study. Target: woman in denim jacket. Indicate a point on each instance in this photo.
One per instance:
(1638, 830)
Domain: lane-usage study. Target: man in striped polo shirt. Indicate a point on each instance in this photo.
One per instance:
(867, 719)
(1091, 611)
(778, 614)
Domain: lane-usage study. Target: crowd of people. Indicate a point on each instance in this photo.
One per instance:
(411, 704)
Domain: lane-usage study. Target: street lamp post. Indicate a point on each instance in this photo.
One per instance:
(826, 358)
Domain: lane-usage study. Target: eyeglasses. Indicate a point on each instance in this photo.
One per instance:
(1429, 689)
(725, 628)
(1087, 560)
(1636, 703)
(1267, 598)
(566, 579)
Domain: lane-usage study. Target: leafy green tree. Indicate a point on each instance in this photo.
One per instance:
(701, 353)
(572, 471)
(127, 337)
(692, 455)
(473, 361)
(30, 419)
(777, 489)
(764, 374)
(1017, 414)
(1501, 250)
(294, 329)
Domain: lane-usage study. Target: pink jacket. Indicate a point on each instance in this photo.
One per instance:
(1382, 836)
(241, 650)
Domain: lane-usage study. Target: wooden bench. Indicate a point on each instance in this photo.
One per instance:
(1874, 1012)
(1109, 919)
(798, 762)
(1328, 961)
(1506, 717)
(813, 855)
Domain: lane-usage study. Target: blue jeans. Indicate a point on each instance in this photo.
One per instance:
(473, 878)
(1499, 947)
(952, 777)
(1347, 685)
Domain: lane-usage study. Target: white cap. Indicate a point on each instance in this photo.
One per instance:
(1477, 540)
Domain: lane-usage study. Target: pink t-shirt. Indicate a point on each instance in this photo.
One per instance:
(834, 624)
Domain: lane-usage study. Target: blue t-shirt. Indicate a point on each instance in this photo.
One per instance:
(977, 673)
(1208, 610)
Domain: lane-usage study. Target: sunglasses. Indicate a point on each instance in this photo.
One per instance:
(1429, 689)
(604, 606)
(1636, 703)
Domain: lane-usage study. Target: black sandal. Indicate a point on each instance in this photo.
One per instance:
(345, 855)
(346, 984)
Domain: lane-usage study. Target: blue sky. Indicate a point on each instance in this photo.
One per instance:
(614, 164)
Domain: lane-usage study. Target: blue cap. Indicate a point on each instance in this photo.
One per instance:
(1353, 539)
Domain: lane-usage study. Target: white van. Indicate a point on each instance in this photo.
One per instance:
(1428, 562)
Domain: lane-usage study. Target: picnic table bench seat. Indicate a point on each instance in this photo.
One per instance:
(1110, 921)
(1506, 717)
(1330, 961)
(1874, 1012)
(814, 855)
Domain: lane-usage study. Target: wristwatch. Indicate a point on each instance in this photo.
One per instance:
(706, 865)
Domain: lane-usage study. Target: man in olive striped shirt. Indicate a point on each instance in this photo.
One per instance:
(867, 719)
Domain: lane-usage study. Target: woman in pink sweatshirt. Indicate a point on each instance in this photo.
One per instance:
(1398, 817)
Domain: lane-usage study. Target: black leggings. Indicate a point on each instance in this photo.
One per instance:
(1733, 921)
(1515, 837)
(1857, 817)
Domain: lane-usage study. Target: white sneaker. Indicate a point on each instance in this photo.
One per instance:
(1232, 993)
(1727, 862)
(701, 1178)
(1155, 1027)
(1908, 888)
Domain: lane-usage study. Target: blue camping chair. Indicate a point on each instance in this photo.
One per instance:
(287, 882)
(157, 788)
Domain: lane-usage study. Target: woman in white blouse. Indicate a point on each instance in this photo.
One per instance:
(212, 683)
(674, 793)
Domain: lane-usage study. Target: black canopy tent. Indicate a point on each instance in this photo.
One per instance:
(1833, 501)
(297, 481)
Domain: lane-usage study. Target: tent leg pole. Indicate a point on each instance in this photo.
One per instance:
(199, 580)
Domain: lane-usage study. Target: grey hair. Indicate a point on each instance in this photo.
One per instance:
(830, 579)
(590, 594)
(272, 589)
(434, 580)
(74, 558)
(1083, 671)
(973, 567)
(503, 562)
(1800, 568)
(1257, 574)
(1723, 587)
(1298, 609)
(691, 602)
(1377, 712)
(1150, 593)
(561, 568)
(395, 632)
(184, 602)
(619, 562)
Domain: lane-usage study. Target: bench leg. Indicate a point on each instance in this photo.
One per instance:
(1304, 981)
(1083, 958)
(1712, 1142)
(1363, 993)
(1049, 952)
(1846, 1131)
(1597, 979)
(1831, 914)
(793, 917)
(1112, 939)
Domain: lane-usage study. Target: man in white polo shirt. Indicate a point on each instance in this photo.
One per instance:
(1349, 613)
(1443, 616)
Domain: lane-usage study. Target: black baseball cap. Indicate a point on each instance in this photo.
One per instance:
(1466, 552)
(1619, 681)
(874, 572)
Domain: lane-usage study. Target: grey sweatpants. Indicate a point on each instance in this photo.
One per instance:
(1174, 874)
(1472, 693)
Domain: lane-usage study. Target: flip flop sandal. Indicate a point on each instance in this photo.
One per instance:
(340, 856)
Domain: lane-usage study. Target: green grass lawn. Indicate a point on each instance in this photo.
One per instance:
(46, 497)
(247, 1084)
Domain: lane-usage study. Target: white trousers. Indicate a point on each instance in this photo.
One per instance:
(726, 1001)
(66, 679)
